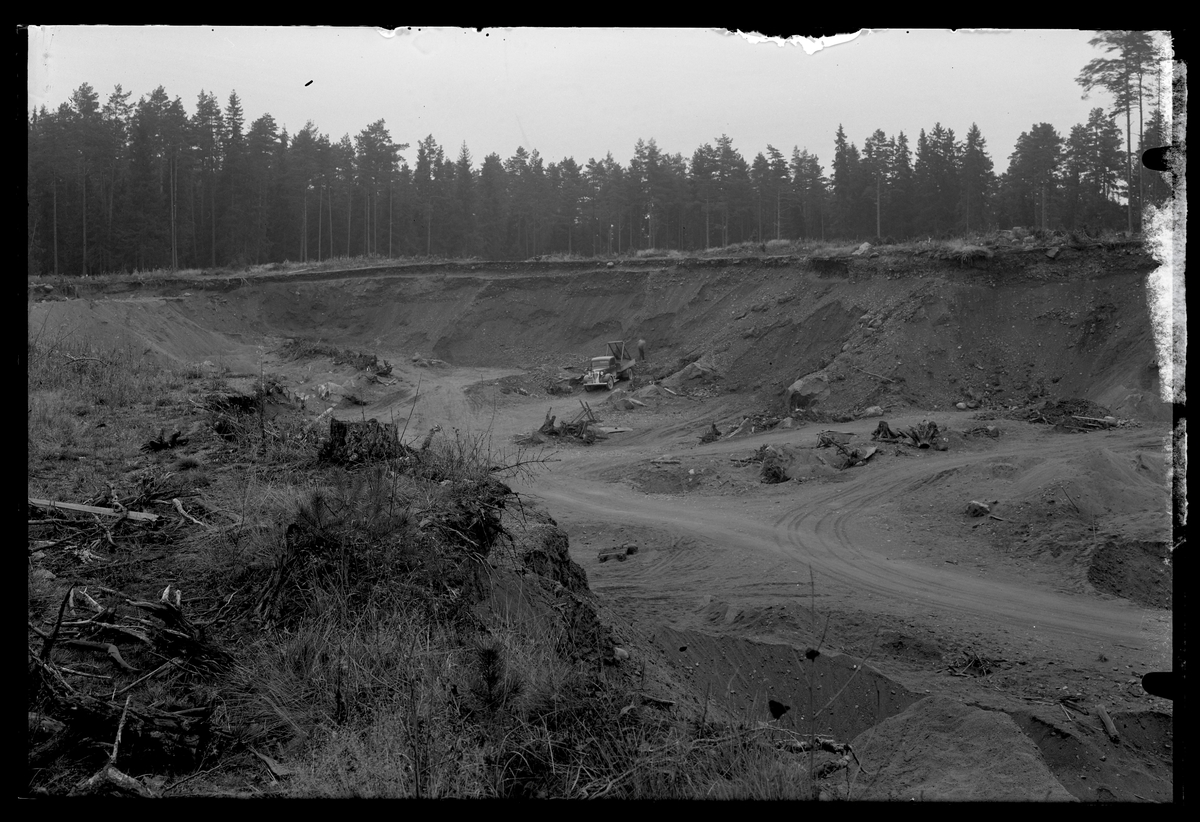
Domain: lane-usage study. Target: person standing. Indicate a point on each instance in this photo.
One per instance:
(642, 350)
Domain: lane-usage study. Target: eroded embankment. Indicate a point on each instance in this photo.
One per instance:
(887, 331)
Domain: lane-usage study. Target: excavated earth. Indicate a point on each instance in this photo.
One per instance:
(963, 657)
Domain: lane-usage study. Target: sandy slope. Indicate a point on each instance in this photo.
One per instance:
(901, 573)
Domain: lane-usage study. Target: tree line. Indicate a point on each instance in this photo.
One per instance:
(124, 186)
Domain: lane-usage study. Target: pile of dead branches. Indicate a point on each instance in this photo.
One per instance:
(827, 439)
(814, 415)
(111, 530)
(884, 433)
(759, 456)
(850, 456)
(582, 427)
(969, 663)
(772, 471)
(163, 443)
(922, 436)
(91, 677)
(1061, 412)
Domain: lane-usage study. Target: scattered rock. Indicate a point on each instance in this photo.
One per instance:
(873, 411)
(961, 406)
(807, 391)
(619, 398)
(975, 508)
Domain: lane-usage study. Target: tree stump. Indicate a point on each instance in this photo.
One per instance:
(359, 443)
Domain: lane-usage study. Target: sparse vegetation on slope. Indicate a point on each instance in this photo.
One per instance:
(287, 627)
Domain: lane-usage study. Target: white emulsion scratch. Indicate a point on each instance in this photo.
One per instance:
(811, 45)
(1166, 240)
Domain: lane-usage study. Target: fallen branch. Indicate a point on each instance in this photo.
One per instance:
(869, 374)
(116, 780)
(49, 643)
(74, 360)
(1073, 505)
(317, 421)
(179, 508)
(92, 509)
(108, 648)
(159, 669)
(112, 760)
(1109, 727)
(656, 701)
(83, 673)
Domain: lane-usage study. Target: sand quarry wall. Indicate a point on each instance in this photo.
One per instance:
(1012, 328)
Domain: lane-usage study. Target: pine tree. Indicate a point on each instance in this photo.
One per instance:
(1032, 175)
(875, 183)
(1123, 76)
(976, 181)
(845, 173)
(901, 220)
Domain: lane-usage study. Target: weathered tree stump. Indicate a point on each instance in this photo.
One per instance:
(359, 443)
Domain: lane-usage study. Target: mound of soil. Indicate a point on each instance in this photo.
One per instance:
(942, 749)
(742, 675)
(1093, 768)
(1139, 570)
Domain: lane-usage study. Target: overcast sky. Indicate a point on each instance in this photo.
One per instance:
(584, 92)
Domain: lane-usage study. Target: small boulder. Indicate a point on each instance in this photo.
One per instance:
(873, 411)
(961, 406)
(807, 392)
(975, 508)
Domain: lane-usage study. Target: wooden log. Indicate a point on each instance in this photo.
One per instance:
(657, 701)
(92, 509)
(869, 374)
(1109, 727)
(109, 649)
